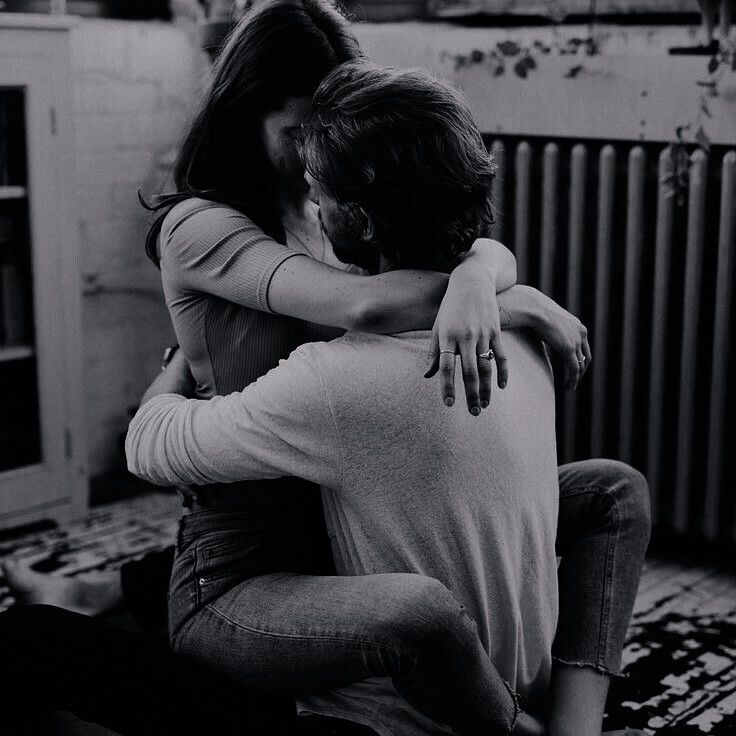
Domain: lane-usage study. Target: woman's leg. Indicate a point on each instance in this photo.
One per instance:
(300, 634)
(602, 536)
(139, 586)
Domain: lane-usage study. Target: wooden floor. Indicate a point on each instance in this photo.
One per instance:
(680, 657)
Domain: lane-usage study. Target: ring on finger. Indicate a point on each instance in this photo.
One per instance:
(488, 355)
(452, 352)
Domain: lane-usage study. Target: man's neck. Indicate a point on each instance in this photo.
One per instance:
(385, 265)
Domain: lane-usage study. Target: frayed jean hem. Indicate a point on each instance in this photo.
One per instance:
(601, 669)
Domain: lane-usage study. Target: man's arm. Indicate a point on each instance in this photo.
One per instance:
(280, 425)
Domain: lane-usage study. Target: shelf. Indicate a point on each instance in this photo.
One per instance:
(15, 352)
(9, 192)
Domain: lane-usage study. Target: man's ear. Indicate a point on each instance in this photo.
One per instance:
(367, 229)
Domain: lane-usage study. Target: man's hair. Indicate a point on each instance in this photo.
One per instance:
(402, 145)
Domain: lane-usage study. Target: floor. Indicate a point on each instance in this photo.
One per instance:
(681, 653)
(680, 659)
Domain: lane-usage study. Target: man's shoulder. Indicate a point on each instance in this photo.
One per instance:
(355, 345)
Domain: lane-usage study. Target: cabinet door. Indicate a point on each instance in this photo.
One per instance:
(39, 363)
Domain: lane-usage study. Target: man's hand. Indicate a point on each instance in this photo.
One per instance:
(175, 378)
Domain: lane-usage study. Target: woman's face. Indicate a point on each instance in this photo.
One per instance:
(279, 133)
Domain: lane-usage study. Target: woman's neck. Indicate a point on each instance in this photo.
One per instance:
(292, 199)
(296, 209)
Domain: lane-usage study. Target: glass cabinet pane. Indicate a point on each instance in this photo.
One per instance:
(19, 412)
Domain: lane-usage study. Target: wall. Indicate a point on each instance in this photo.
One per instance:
(562, 8)
(134, 84)
(134, 88)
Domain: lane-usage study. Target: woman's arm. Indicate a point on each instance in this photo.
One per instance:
(395, 301)
(460, 308)
(563, 332)
(216, 250)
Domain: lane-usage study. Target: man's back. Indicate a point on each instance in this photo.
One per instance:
(471, 501)
(409, 486)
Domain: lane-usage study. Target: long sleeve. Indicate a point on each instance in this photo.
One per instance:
(281, 425)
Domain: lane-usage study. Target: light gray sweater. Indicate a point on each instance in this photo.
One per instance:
(409, 485)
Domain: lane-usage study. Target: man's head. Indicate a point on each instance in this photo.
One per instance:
(399, 166)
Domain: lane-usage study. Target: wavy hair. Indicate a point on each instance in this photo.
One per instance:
(281, 49)
(402, 145)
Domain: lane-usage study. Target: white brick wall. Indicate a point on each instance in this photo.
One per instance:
(135, 85)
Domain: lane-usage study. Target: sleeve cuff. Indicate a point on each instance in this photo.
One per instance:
(264, 282)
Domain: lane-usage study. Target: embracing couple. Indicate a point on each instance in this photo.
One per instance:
(439, 606)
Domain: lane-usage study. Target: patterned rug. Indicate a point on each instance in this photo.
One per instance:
(680, 659)
(108, 537)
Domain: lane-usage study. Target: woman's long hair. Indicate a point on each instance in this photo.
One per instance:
(282, 49)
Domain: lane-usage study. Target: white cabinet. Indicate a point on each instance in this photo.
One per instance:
(42, 452)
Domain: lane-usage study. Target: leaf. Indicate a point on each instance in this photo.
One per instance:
(713, 64)
(509, 48)
(498, 70)
(704, 108)
(701, 138)
(520, 69)
(573, 71)
(591, 46)
(530, 62)
(477, 56)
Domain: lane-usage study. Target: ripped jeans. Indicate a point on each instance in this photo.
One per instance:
(299, 633)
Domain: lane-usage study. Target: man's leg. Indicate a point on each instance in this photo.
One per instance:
(301, 634)
(602, 536)
(140, 587)
(57, 660)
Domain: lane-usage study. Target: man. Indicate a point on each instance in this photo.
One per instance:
(408, 485)
(404, 181)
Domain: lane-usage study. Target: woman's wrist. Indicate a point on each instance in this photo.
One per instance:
(492, 261)
(520, 306)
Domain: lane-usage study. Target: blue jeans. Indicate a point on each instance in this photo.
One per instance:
(232, 606)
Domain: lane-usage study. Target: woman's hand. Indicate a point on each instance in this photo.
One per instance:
(468, 323)
(563, 332)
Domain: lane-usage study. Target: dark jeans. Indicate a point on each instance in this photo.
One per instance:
(310, 633)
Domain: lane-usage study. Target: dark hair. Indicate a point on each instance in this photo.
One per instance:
(282, 49)
(402, 145)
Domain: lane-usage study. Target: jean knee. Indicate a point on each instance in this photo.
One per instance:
(633, 501)
(430, 616)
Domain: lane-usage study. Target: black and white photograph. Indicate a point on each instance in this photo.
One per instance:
(367, 367)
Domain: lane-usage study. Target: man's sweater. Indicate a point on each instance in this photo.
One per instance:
(409, 485)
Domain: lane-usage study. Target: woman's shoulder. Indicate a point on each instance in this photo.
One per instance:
(196, 215)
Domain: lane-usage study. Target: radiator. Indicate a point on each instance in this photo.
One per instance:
(648, 265)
